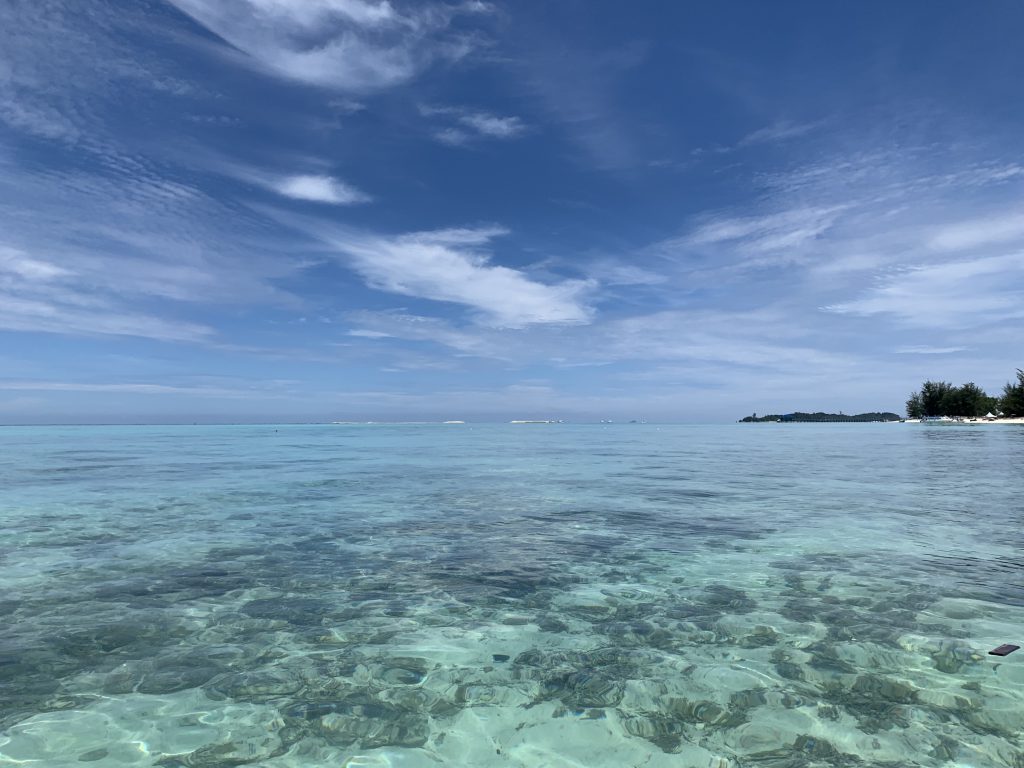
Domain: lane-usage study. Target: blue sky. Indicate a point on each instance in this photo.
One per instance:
(343, 209)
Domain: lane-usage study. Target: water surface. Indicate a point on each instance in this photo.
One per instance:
(511, 595)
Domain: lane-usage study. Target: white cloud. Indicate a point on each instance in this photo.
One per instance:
(351, 45)
(311, 14)
(320, 189)
(447, 265)
(493, 125)
(473, 124)
(313, 186)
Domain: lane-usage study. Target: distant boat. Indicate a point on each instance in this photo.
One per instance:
(454, 422)
(533, 421)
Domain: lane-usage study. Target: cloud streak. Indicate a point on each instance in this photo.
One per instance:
(473, 125)
(783, 130)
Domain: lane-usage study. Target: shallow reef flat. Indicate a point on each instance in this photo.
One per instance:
(684, 596)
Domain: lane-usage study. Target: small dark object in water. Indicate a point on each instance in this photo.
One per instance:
(1004, 650)
(499, 657)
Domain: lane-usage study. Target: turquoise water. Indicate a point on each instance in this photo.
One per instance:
(511, 595)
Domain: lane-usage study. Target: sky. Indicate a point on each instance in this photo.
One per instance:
(317, 210)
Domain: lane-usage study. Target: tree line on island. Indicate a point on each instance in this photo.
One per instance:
(819, 416)
(941, 398)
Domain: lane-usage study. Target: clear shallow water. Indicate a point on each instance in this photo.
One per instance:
(511, 595)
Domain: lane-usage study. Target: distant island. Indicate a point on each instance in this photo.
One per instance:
(934, 400)
(800, 416)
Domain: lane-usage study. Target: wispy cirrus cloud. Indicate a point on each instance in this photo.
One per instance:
(903, 245)
(782, 130)
(860, 212)
(64, 314)
(763, 338)
(64, 98)
(39, 296)
(409, 327)
(582, 91)
(349, 45)
(774, 133)
(1005, 227)
(957, 294)
(773, 232)
(124, 248)
(468, 125)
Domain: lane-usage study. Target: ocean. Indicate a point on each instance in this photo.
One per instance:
(649, 595)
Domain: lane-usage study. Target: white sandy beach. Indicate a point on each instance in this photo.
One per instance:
(1014, 420)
